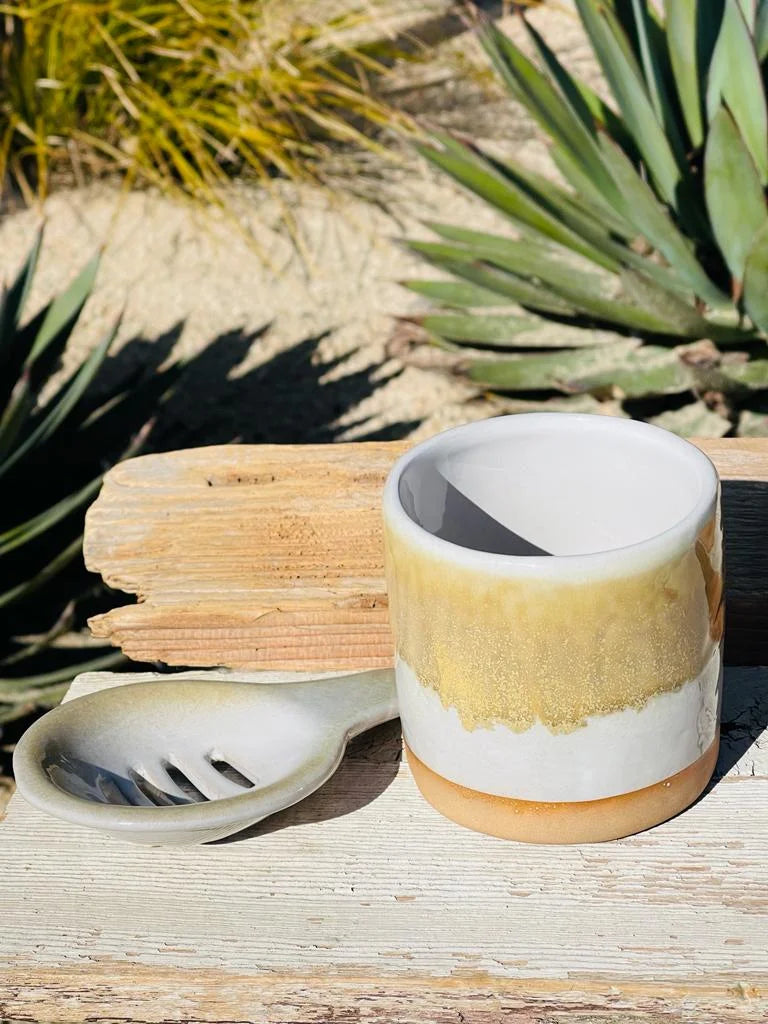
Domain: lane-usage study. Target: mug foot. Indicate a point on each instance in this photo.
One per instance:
(586, 821)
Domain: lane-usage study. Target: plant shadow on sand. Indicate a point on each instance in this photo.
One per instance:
(286, 399)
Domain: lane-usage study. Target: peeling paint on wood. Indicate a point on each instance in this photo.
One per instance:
(363, 904)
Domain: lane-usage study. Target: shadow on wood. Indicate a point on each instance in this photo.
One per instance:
(745, 523)
(369, 766)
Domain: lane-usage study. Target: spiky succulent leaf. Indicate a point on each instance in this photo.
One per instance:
(684, 53)
(52, 461)
(736, 79)
(673, 249)
(735, 199)
(756, 278)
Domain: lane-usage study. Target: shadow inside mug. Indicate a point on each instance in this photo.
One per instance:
(466, 524)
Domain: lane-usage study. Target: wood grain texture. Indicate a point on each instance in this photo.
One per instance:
(271, 556)
(363, 904)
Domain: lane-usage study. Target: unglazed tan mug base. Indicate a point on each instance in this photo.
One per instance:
(585, 821)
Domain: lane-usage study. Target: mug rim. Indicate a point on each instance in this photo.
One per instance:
(659, 546)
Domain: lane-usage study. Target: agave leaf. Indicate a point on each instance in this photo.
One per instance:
(748, 10)
(653, 71)
(27, 531)
(682, 24)
(594, 294)
(14, 342)
(735, 77)
(635, 371)
(558, 403)
(29, 586)
(20, 404)
(592, 110)
(752, 375)
(653, 221)
(597, 227)
(645, 292)
(761, 31)
(62, 404)
(693, 420)
(63, 311)
(523, 333)
(733, 192)
(588, 192)
(506, 286)
(625, 80)
(756, 280)
(483, 329)
(552, 110)
(14, 298)
(460, 294)
(752, 424)
(480, 177)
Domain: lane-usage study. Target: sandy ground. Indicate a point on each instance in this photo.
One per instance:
(285, 342)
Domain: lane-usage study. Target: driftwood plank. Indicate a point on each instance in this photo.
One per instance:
(270, 556)
(363, 904)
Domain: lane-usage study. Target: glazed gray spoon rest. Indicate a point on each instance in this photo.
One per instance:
(190, 761)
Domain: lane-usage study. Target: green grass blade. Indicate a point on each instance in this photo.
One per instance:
(652, 220)
(682, 34)
(735, 77)
(756, 280)
(733, 192)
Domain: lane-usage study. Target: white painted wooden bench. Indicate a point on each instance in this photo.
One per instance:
(362, 903)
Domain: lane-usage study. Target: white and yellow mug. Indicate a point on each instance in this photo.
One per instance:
(555, 586)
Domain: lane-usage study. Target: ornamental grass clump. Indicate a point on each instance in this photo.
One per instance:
(641, 277)
(178, 94)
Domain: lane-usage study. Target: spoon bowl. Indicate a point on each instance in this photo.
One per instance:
(193, 760)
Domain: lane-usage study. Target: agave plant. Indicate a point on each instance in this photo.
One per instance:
(643, 277)
(58, 436)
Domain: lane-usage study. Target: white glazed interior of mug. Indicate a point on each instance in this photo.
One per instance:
(556, 596)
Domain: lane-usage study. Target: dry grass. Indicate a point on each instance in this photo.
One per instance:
(179, 94)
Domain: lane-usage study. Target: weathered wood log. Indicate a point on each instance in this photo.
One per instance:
(271, 556)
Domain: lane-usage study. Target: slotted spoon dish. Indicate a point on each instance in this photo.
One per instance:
(193, 760)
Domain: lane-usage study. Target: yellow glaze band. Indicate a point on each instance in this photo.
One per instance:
(517, 651)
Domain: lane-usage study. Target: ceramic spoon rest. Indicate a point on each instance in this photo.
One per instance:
(190, 761)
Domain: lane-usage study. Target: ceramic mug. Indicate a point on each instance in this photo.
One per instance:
(555, 586)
